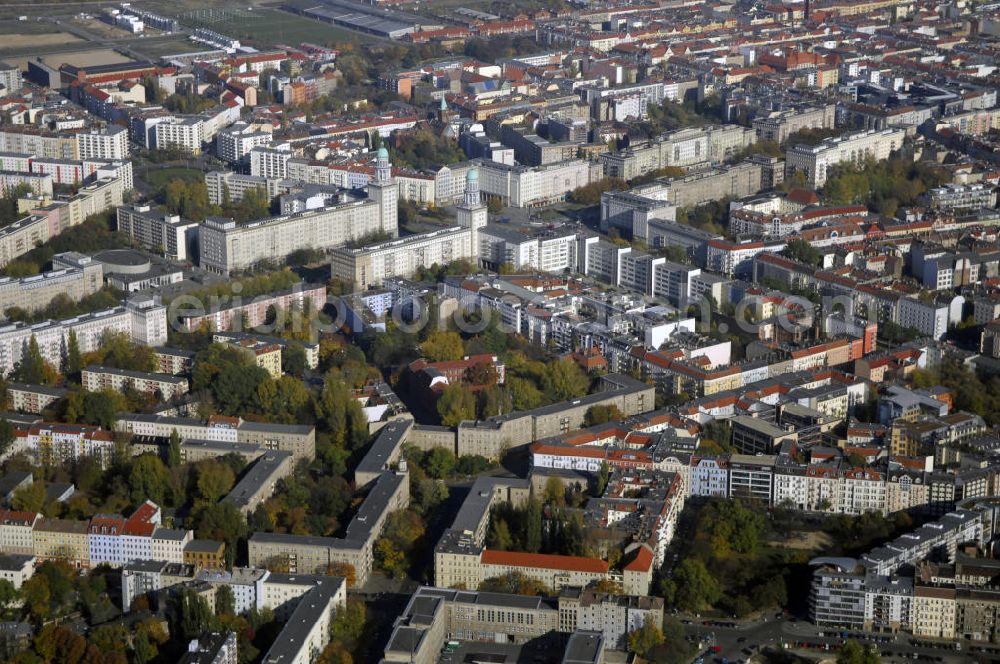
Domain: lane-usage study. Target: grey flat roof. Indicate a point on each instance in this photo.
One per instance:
(270, 426)
(760, 426)
(296, 540)
(169, 533)
(145, 565)
(38, 389)
(222, 446)
(375, 504)
(386, 442)
(293, 636)
(14, 561)
(260, 473)
(142, 375)
(202, 546)
(406, 639)
(584, 648)
(479, 498)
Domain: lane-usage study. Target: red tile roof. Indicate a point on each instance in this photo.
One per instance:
(544, 561)
(642, 562)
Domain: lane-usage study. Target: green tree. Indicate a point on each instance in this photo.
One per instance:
(456, 404)
(439, 463)
(696, 588)
(37, 597)
(225, 601)
(853, 652)
(98, 408)
(215, 480)
(602, 478)
(74, 361)
(601, 414)
(195, 615)
(643, 640)
(441, 346)
(524, 393)
(110, 638)
(516, 583)
(58, 643)
(33, 368)
(390, 558)
(802, 251)
(500, 537)
(533, 526)
(8, 596)
(144, 650)
(565, 380)
(147, 479)
(174, 450)
(30, 498)
(260, 520)
(590, 194)
(293, 359)
(221, 521)
(349, 624)
(7, 435)
(554, 492)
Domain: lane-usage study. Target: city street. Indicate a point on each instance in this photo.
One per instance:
(739, 642)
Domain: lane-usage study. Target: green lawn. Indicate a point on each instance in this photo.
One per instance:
(282, 27)
(263, 26)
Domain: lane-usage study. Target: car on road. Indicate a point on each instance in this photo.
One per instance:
(742, 639)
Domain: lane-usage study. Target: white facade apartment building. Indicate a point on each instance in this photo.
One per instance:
(10, 77)
(235, 143)
(143, 320)
(108, 143)
(38, 142)
(862, 490)
(733, 259)
(39, 183)
(16, 162)
(183, 133)
(95, 379)
(963, 196)
(46, 222)
(227, 247)
(17, 569)
(167, 544)
(815, 161)
(402, 257)
(55, 444)
(930, 318)
(709, 477)
(270, 162)
(602, 260)
(22, 236)
(779, 125)
(35, 292)
(17, 531)
(548, 252)
(157, 231)
(223, 184)
(520, 186)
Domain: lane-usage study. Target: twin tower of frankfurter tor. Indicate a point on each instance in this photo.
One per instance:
(369, 265)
